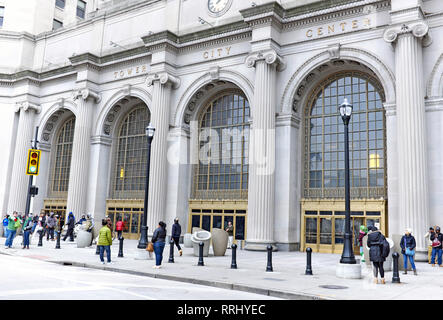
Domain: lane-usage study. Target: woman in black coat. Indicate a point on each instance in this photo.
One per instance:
(375, 244)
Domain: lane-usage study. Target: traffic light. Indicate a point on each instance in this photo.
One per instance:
(33, 162)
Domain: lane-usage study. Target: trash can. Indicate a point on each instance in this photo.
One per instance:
(198, 237)
(219, 241)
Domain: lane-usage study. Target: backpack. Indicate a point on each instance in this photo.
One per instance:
(385, 248)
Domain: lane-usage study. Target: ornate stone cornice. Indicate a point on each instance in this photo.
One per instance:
(418, 29)
(164, 78)
(85, 94)
(26, 105)
(269, 56)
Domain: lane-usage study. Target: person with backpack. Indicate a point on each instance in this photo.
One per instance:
(408, 244)
(14, 223)
(437, 241)
(378, 251)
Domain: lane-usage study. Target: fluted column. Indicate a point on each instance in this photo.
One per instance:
(162, 86)
(19, 180)
(261, 193)
(411, 129)
(79, 173)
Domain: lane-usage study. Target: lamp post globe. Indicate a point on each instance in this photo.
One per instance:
(348, 253)
(143, 242)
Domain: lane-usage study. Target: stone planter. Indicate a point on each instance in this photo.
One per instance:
(219, 241)
(83, 239)
(187, 242)
(195, 229)
(198, 237)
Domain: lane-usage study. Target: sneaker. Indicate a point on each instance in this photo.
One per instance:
(154, 267)
(405, 272)
(103, 262)
(181, 252)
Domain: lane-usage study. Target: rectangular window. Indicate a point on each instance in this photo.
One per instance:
(56, 24)
(60, 3)
(2, 14)
(81, 9)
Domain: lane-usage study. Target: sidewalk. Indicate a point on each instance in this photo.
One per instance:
(287, 281)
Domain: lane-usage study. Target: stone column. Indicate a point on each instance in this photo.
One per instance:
(261, 193)
(25, 134)
(79, 173)
(411, 129)
(162, 84)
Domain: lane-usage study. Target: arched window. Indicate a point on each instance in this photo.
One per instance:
(324, 155)
(222, 171)
(61, 162)
(129, 173)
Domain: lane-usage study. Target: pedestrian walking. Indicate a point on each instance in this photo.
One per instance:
(361, 235)
(27, 227)
(437, 241)
(119, 227)
(105, 242)
(50, 226)
(158, 239)
(408, 244)
(71, 224)
(377, 252)
(14, 224)
(5, 226)
(34, 223)
(230, 230)
(58, 225)
(429, 241)
(175, 234)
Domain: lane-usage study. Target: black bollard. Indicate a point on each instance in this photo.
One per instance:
(200, 254)
(97, 251)
(171, 251)
(120, 247)
(234, 256)
(395, 273)
(269, 267)
(40, 239)
(57, 245)
(308, 262)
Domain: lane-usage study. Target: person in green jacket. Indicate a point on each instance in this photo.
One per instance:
(105, 241)
(13, 224)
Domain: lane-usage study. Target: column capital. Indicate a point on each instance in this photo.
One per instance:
(164, 78)
(85, 94)
(418, 29)
(269, 56)
(26, 105)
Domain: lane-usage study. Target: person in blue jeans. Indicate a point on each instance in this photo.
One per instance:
(158, 239)
(5, 226)
(437, 242)
(27, 226)
(408, 241)
(13, 224)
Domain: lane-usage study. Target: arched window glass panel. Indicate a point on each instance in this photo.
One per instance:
(325, 177)
(61, 162)
(130, 156)
(222, 172)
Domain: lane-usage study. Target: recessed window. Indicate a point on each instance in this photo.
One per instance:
(60, 3)
(2, 14)
(81, 9)
(56, 24)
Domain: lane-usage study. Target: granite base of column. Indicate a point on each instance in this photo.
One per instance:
(260, 245)
(288, 246)
(348, 271)
(421, 255)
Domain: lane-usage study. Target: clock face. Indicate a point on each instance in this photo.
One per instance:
(218, 6)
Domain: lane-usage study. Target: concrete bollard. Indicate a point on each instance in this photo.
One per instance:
(171, 251)
(308, 262)
(395, 273)
(200, 254)
(120, 247)
(269, 266)
(234, 256)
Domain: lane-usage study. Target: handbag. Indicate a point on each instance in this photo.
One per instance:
(408, 251)
(150, 247)
(435, 242)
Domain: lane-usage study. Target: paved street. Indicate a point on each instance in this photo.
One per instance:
(31, 278)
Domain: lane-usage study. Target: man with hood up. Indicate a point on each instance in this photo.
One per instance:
(50, 225)
(71, 223)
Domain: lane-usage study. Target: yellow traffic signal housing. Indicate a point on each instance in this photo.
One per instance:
(33, 162)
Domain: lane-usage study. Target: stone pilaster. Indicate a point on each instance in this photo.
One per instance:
(162, 84)
(79, 174)
(25, 133)
(411, 129)
(261, 193)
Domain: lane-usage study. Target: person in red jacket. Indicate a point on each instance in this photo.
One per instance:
(119, 227)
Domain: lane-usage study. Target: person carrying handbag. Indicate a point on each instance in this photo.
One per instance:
(408, 244)
(437, 241)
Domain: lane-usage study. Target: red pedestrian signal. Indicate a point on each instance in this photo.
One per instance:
(33, 162)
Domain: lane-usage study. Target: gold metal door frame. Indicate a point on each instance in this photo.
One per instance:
(131, 207)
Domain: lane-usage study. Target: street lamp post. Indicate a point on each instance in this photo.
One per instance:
(347, 256)
(150, 130)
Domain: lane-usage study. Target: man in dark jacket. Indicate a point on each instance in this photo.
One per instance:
(71, 224)
(375, 244)
(50, 225)
(176, 232)
(436, 237)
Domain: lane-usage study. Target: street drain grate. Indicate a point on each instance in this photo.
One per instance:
(333, 287)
